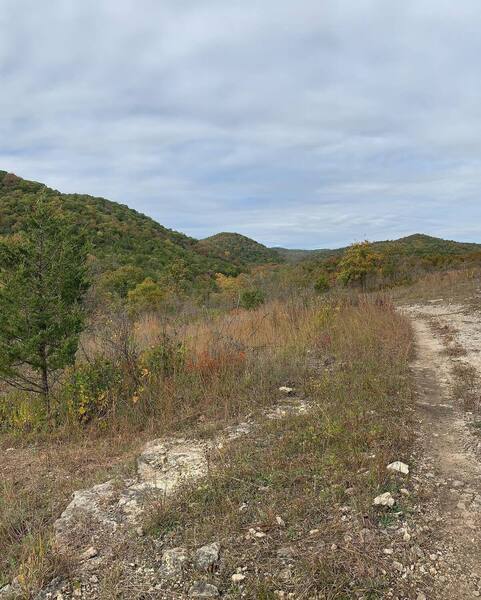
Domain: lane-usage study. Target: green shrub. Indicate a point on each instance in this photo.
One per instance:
(322, 284)
(251, 299)
(146, 296)
(91, 390)
(164, 359)
(20, 411)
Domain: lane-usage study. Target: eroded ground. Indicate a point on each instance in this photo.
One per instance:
(449, 472)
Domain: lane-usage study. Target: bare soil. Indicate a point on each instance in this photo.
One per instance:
(449, 472)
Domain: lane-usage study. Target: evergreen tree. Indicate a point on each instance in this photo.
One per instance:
(43, 279)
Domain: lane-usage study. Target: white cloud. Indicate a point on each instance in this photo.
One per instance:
(305, 124)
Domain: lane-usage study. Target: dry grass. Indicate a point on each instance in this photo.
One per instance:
(233, 364)
(351, 360)
(317, 472)
(449, 285)
(37, 481)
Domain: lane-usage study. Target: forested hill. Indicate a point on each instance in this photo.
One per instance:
(417, 245)
(119, 235)
(237, 249)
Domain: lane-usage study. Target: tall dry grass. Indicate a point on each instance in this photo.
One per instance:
(215, 366)
(319, 472)
(454, 284)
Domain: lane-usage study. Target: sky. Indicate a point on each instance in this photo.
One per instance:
(305, 124)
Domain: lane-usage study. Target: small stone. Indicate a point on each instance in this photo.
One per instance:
(313, 531)
(89, 553)
(286, 552)
(288, 391)
(385, 499)
(94, 579)
(388, 551)
(398, 566)
(398, 467)
(238, 577)
(173, 560)
(201, 589)
(421, 596)
(280, 521)
(207, 556)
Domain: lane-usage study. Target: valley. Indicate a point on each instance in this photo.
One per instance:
(187, 418)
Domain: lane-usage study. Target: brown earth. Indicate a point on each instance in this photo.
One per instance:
(449, 472)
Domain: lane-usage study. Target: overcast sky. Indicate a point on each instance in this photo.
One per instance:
(307, 123)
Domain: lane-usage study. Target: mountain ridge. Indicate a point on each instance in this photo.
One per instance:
(122, 236)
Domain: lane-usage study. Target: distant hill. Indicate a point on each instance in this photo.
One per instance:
(237, 249)
(119, 235)
(295, 255)
(420, 244)
(122, 236)
(416, 245)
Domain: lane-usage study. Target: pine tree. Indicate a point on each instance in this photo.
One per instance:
(43, 280)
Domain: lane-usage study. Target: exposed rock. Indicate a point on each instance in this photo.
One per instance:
(8, 592)
(398, 566)
(165, 464)
(288, 391)
(100, 518)
(238, 577)
(286, 552)
(280, 521)
(207, 556)
(201, 589)
(385, 499)
(86, 506)
(173, 561)
(89, 553)
(398, 467)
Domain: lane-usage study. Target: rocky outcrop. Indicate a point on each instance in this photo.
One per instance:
(99, 515)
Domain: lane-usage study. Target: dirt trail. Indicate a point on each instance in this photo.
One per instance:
(449, 473)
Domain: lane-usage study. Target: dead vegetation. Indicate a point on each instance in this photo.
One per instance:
(292, 507)
(305, 481)
(447, 285)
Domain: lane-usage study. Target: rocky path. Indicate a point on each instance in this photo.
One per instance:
(449, 471)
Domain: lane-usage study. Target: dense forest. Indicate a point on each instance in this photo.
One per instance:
(237, 249)
(119, 235)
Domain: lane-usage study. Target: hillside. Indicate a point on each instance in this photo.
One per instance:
(119, 235)
(419, 244)
(416, 245)
(237, 249)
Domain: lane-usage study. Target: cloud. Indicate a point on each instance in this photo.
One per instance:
(306, 124)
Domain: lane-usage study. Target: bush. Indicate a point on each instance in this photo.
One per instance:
(251, 299)
(91, 389)
(146, 296)
(322, 284)
(20, 411)
(164, 359)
